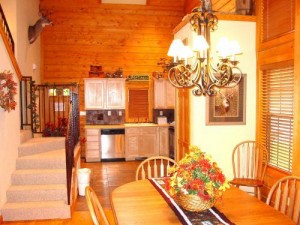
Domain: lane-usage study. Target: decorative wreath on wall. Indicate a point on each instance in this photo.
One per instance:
(8, 90)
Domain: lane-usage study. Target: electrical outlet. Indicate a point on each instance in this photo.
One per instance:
(161, 113)
(120, 113)
(109, 113)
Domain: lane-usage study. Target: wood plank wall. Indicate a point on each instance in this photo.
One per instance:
(86, 32)
(275, 44)
(227, 6)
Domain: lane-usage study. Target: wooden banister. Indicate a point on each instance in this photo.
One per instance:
(8, 42)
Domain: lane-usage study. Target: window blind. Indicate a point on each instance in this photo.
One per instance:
(276, 115)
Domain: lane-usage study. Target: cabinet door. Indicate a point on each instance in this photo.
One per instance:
(148, 142)
(170, 95)
(164, 95)
(115, 93)
(94, 93)
(164, 141)
(132, 143)
(159, 94)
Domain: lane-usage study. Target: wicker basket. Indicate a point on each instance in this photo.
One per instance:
(192, 202)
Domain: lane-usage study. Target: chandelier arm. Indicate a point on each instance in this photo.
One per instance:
(203, 76)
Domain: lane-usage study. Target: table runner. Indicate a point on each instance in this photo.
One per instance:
(210, 216)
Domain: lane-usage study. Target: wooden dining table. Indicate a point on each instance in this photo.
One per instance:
(139, 202)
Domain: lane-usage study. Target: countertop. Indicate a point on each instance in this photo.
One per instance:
(116, 126)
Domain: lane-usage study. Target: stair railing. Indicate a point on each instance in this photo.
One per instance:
(25, 103)
(6, 30)
(8, 42)
(72, 138)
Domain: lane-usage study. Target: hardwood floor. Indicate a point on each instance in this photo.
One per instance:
(105, 177)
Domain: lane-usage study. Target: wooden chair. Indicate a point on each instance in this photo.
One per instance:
(95, 208)
(249, 163)
(153, 167)
(285, 197)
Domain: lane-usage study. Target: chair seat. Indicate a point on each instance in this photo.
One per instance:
(247, 182)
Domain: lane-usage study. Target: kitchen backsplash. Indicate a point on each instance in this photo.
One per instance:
(105, 116)
(169, 113)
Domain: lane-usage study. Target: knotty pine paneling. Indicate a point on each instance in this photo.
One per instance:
(86, 32)
(226, 6)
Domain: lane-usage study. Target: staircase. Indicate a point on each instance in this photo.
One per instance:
(38, 190)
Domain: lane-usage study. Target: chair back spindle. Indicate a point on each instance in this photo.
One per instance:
(284, 196)
(155, 166)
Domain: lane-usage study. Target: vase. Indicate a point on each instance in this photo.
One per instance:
(192, 203)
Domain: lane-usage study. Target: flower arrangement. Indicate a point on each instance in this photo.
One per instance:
(8, 89)
(197, 175)
(52, 131)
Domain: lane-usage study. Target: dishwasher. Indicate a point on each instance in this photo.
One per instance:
(112, 145)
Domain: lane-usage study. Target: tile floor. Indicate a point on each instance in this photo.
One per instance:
(105, 177)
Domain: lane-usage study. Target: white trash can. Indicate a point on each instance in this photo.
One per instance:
(83, 177)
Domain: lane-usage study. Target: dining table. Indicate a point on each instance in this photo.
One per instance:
(140, 202)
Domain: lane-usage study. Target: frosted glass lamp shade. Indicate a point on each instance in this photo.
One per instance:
(200, 43)
(176, 48)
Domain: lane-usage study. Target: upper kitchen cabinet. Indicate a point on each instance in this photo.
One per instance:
(104, 93)
(139, 104)
(164, 94)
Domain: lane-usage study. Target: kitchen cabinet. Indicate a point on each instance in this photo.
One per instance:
(164, 94)
(104, 93)
(146, 142)
(164, 141)
(139, 104)
(92, 145)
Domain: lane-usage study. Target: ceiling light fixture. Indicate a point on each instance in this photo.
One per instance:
(204, 75)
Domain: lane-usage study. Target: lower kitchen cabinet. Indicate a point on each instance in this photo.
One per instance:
(164, 141)
(146, 142)
(92, 145)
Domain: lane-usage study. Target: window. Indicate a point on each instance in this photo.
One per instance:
(57, 91)
(276, 115)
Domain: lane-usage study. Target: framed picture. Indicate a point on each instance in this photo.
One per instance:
(228, 106)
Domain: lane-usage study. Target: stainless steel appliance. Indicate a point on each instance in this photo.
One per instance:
(112, 144)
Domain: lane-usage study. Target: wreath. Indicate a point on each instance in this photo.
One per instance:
(8, 89)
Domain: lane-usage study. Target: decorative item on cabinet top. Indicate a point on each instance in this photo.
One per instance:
(96, 71)
(138, 78)
(117, 74)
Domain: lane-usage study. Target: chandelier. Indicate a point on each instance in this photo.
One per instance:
(203, 75)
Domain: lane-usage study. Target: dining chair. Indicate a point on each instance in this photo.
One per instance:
(156, 166)
(95, 208)
(284, 195)
(249, 163)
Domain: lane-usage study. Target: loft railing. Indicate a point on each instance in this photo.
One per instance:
(49, 107)
(72, 138)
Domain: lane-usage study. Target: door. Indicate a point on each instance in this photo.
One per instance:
(182, 123)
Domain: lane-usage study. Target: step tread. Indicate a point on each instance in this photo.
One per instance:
(43, 140)
(37, 204)
(55, 154)
(37, 187)
(38, 171)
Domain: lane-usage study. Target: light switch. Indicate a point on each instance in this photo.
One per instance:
(109, 113)
(120, 113)
(161, 113)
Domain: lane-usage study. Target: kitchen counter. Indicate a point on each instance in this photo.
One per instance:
(117, 126)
